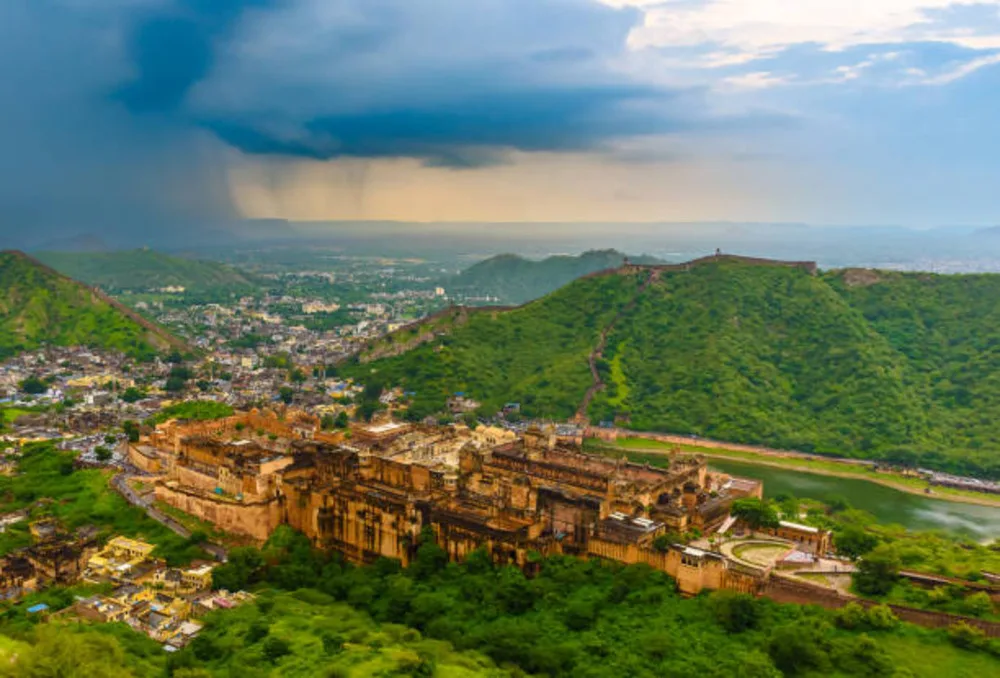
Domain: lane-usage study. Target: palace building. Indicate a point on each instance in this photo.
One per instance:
(370, 494)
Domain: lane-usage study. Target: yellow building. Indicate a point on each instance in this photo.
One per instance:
(187, 581)
(99, 380)
(133, 549)
(197, 578)
(119, 557)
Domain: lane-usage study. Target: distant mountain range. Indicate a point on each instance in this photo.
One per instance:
(513, 279)
(40, 306)
(850, 362)
(145, 269)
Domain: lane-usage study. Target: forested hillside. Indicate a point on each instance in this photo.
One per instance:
(511, 279)
(868, 365)
(144, 269)
(39, 306)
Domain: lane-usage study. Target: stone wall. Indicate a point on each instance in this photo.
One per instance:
(145, 458)
(710, 574)
(784, 590)
(253, 519)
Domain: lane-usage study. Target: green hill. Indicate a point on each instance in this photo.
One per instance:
(511, 279)
(143, 270)
(40, 306)
(860, 364)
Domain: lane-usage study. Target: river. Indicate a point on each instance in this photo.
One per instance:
(887, 505)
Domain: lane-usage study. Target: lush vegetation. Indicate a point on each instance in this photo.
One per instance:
(302, 634)
(897, 370)
(316, 615)
(145, 269)
(536, 355)
(48, 486)
(883, 551)
(580, 618)
(197, 410)
(39, 306)
(511, 279)
(948, 330)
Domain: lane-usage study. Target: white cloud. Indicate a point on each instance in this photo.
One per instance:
(754, 28)
(755, 80)
(960, 71)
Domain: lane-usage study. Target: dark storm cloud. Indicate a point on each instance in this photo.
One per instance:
(75, 162)
(450, 83)
(468, 134)
(118, 116)
(173, 48)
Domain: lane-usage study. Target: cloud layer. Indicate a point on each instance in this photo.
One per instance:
(138, 116)
(450, 83)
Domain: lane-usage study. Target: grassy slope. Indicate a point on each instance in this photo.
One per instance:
(948, 329)
(516, 280)
(77, 498)
(536, 355)
(756, 354)
(41, 306)
(760, 354)
(145, 269)
(305, 618)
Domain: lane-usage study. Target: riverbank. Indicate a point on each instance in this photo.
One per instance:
(785, 460)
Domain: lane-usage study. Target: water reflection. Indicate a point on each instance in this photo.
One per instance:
(886, 504)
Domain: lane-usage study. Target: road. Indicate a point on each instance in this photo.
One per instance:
(612, 434)
(120, 484)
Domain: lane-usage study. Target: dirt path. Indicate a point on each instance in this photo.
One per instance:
(598, 352)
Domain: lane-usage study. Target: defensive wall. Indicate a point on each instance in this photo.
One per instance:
(456, 315)
(716, 572)
(251, 519)
(459, 315)
(784, 590)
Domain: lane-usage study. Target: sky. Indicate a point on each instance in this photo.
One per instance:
(125, 116)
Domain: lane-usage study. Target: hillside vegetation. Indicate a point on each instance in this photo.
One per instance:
(40, 306)
(511, 279)
(867, 365)
(144, 269)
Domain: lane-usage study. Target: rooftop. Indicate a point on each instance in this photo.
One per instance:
(798, 526)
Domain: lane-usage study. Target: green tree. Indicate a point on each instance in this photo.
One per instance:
(736, 612)
(342, 420)
(132, 395)
(58, 654)
(799, 648)
(241, 570)
(978, 604)
(430, 556)
(181, 372)
(854, 541)
(33, 386)
(966, 636)
(175, 385)
(877, 572)
(275, 648)
(103, 453)
(756, 513)
(132, 430)
(286, 394)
